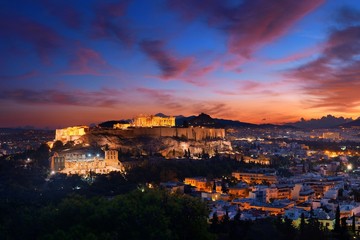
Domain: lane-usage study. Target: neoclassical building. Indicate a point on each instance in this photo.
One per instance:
(82, 162)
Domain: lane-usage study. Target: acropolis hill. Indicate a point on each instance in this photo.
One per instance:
(148, 133)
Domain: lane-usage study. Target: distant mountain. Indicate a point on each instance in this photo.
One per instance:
(110, 124)
(232, 123)
(328, 121)
(206, 120)
(355, 123)
(202, 119)
(161, 115)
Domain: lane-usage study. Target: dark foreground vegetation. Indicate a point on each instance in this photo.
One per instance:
(37, 205)
(146, 214)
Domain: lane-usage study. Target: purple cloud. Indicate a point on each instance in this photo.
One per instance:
(110, 22)
(248, 24)
(170, 66)
(87, 61)
(43, 38)
(102, 98)
(24, 76)
(65, 12)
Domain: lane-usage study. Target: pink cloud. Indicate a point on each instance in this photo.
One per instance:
(333, 80)
(249, 24)
(87, 61)
(224, 92)
(212, 108)
(250, 87)
(297, 56)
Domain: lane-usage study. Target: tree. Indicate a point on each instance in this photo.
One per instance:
(137, 215)
(353, 228)
(225, 222)
(42, 155)
(214, 223)
(57, 146)
(237, 216)
(302, 224)
(69, 144)
(337, 220)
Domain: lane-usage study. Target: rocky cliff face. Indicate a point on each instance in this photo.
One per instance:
(166, 146)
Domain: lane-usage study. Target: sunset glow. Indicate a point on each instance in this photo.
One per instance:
(260, 61)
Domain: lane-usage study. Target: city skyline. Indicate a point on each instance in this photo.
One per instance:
(254, 61)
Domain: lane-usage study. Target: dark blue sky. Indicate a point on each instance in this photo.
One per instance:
(77, 62)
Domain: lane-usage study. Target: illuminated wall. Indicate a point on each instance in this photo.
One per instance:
(190, 133)
(70, 133)
(121, 125)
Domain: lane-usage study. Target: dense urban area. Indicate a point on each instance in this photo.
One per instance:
(153, 179)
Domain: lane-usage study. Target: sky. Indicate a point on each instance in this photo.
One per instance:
(66, 63)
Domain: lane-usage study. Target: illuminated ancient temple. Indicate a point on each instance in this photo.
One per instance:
(153, 121)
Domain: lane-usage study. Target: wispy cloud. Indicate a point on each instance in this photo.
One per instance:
(171, 67)
(45, 40)
(87, 61)
(24, 76)
(162, 97)
(110, 23)
(101, 98)
(332, 81)
(249, 24)
(66, 13)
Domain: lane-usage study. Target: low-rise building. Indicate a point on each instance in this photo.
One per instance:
(256, 178)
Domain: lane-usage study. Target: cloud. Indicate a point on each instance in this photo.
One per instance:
(250, 87)
(110, 22)
(43, 38)
(162, 97)
(171, 67)
(87, 61)
(301, 55)
(102, 98)
(65, 12)
(332, 81)
(212, 108)
(225, 92)
(24, 76)
(167, 99)
(247, 24)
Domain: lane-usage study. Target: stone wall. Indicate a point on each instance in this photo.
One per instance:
(191, 133)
